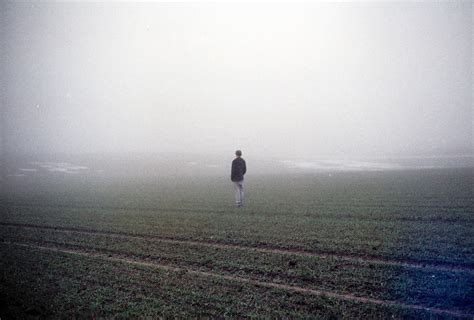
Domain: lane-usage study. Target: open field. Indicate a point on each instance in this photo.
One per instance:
(330, 245)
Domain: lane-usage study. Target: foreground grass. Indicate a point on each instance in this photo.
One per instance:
(44, 284)
(419, 216)
(429, 287)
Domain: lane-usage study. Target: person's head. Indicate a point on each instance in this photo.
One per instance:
(238, 153)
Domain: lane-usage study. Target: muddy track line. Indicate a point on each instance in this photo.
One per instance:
(345, 297)
(441, 266)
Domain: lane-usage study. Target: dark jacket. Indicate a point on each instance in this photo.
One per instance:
(238, 169)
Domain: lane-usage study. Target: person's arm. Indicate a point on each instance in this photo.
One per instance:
(244, 168)
(232, 170)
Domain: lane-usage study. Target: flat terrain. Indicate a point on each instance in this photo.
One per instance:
(317, 245)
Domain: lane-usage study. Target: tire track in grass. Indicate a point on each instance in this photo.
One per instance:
(271, 285)
(441, 266)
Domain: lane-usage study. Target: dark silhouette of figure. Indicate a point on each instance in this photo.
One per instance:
(239, 168)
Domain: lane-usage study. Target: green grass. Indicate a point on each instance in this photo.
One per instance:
(67, 286)
(448, 289)
(412, 216)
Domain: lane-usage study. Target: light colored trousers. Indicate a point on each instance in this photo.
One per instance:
(239, 192)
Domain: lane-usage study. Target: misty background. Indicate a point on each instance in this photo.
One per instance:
(288, 83)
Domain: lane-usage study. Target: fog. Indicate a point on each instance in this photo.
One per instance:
(275, 80)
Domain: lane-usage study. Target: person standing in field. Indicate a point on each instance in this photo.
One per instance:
(239, 168)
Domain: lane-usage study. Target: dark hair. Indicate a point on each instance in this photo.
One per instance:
(238, 153)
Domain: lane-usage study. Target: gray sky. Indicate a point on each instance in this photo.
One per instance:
(363, 79)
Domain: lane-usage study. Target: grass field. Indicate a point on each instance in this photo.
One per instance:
(393, 244)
